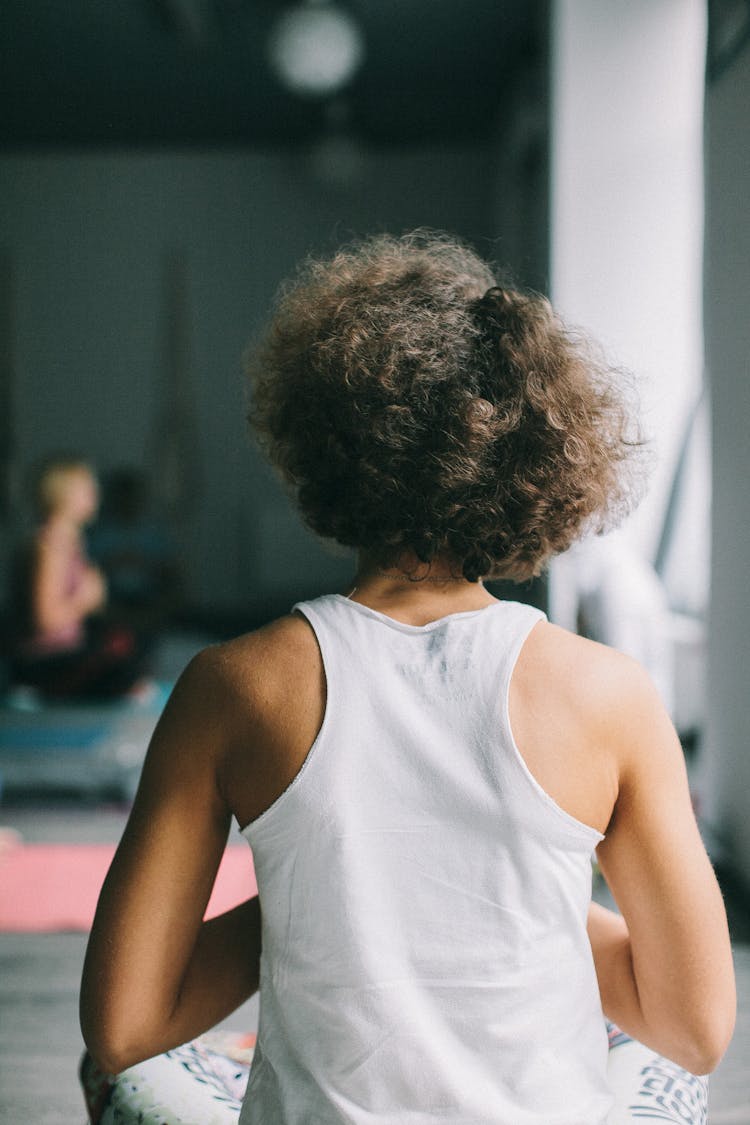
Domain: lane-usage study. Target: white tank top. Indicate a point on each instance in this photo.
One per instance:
(424, 901)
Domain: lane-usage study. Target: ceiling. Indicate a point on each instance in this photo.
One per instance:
(195, 72)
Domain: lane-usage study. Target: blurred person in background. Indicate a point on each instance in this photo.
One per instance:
(64, 647)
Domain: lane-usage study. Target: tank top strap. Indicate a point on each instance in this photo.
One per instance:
(497, 642)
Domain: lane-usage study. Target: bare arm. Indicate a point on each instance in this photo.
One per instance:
(53, 605)
(155, 974)
(665, 968)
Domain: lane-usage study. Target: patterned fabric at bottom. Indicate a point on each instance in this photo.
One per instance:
(200, 1083)
(648, 1087)
(203, 1083)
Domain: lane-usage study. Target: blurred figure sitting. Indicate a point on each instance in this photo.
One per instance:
(64, 647)
(135, 553)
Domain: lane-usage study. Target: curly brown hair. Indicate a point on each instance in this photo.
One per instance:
(416, 404)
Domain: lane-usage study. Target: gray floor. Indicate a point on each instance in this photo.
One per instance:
(40, 1041)
(39, 974)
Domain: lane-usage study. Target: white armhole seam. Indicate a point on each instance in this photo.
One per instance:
(572, 823)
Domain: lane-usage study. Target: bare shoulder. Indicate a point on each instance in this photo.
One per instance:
(266, 692)
(257, 666)
(578, 710)
(598, 681)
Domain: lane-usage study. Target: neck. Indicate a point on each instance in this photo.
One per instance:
(409, 568)
(415, 592)
(415, 579)
(64, 521)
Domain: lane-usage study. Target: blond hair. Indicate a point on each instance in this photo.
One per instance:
(51, 481)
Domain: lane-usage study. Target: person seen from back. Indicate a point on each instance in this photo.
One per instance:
(423, 772)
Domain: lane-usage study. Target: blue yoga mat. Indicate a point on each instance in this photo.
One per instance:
(40, 739)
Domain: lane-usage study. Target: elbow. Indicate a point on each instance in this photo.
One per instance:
(106, 1053)
(106, 1062)
(113, 1048)
(719, 1029)
(698, 1060)
(713, 1053)
(113, 1056)
(703, 1053)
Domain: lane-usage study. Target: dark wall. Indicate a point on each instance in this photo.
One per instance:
(88, 237)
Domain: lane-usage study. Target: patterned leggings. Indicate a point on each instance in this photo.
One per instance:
(203, 1083)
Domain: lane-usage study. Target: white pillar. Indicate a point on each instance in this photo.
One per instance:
(626, 231)
(728, 363)
(627, 202)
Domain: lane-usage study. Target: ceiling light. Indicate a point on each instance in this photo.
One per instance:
(316, 48)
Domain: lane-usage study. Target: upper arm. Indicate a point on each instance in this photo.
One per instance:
(49, 568)
(155, 894)
(55, 603)
(657, 868)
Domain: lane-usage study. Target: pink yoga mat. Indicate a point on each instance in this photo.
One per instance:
(53, 887)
